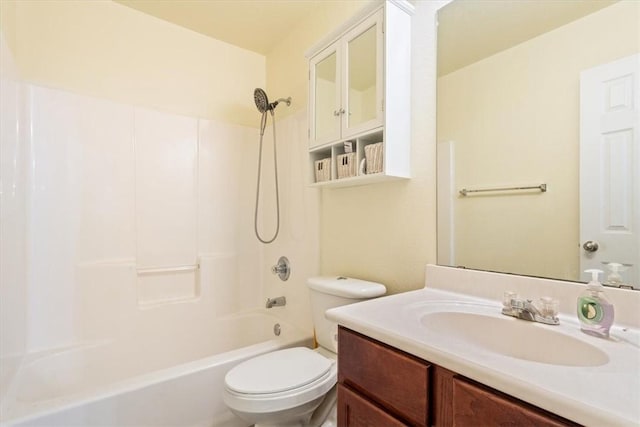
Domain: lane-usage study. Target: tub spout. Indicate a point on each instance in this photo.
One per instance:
(276, 302)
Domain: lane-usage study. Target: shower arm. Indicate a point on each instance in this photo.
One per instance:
(279, 100)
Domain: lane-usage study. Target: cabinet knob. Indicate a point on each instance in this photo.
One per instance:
(338, 112)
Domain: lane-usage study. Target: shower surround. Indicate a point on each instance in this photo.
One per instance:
(128, 168)
(138, 229)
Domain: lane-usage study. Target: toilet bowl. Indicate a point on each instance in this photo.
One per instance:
(296, 386)
(283, 387)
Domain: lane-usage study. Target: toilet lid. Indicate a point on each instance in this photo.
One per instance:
(278, 371)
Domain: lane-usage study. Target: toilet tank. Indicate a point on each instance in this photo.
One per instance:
(330, 292)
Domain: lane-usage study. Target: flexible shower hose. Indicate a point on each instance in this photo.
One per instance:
(263, 125)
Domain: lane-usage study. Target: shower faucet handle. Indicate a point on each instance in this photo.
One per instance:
(282, 268)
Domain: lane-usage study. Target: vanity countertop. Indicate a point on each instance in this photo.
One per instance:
(606, 394)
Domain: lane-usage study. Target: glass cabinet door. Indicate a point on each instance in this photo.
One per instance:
(363, 87)
(346, 84)
(326, 99)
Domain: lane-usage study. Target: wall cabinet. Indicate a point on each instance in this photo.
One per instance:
(380, 385)
(347, 84)
(359, 94)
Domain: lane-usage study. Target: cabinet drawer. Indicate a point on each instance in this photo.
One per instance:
(474, 404)
(355, 411)
(396, 381)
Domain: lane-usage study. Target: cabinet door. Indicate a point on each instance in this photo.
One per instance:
(475, 405)
(362, 49)
(394, 380)
(356, 411)
(325, 103)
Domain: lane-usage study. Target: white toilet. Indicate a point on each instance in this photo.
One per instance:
(296, 386)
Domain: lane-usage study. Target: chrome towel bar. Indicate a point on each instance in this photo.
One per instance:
(541, 187)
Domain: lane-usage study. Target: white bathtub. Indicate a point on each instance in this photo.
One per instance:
(145, 382)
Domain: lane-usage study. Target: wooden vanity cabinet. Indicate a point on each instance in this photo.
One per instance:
(391, 380)
(379, 385)
(472, 402)
(356, 411)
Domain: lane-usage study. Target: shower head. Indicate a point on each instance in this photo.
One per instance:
(262, 102)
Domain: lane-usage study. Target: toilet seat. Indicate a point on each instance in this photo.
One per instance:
(279, 380)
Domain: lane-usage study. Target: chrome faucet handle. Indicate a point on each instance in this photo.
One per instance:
(282, 268)
(545, 311)
(549, 307)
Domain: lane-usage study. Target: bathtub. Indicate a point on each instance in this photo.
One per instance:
(144, 382)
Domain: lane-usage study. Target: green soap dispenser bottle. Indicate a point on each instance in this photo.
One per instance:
(595, 312)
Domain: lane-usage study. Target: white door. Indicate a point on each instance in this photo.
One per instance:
(609, 167)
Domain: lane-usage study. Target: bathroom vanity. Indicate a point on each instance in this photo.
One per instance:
(445, 355)
(381, 385)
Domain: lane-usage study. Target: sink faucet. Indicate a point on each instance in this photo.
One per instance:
(545, 312)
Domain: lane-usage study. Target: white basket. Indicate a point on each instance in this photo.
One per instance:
(373, 154)
(346, 165)
(322, 169)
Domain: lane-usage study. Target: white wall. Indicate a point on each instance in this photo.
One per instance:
(298, 239)
(13, 182)
(117, 188)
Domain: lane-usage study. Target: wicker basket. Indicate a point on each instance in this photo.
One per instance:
(322, 169)
(373, 154)
(346, 165)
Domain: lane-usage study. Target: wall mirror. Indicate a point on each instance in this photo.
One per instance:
(538, 138)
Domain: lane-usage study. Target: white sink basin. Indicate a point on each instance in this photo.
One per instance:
(513, 337)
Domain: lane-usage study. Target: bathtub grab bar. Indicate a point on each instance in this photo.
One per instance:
(159, 270)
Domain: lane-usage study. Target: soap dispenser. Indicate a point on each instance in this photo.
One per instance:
(595, 312)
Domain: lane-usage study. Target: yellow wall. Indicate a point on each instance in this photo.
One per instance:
(8, 23)
(514, 119)
(382, 232)
(104, 49)
(387, 232)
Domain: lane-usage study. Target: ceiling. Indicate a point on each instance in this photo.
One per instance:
(256, 25)
(469, 30)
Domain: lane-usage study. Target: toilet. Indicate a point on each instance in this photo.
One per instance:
(297, 386)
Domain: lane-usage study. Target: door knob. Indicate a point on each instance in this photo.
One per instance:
(590, 246)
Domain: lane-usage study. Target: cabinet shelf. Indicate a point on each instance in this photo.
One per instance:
(355, 181)
(332, 151)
